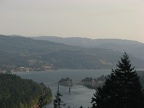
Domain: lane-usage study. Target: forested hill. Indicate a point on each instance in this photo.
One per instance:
(21, 93)
(133, 47)
(25, 54)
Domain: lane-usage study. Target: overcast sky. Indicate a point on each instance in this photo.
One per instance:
(123, 19)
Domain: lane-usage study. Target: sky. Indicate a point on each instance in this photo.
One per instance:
(96, 19)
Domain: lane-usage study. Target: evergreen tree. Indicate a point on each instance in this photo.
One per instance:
(122, 88)
(57, 101)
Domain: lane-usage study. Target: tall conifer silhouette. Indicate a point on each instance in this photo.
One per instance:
(122, 88)
(57, 100)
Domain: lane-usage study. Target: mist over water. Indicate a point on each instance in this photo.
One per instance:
(79, 95)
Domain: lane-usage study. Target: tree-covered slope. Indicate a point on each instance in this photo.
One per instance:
(21, 93)
(133, 47)
(25, 54)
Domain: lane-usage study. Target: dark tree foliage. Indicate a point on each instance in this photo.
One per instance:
(16, 92)
(122, 88)
(45, 96)
(57, 101)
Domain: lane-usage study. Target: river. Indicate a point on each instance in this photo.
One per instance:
(79, 96)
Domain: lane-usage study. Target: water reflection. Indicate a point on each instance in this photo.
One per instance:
(79, 95)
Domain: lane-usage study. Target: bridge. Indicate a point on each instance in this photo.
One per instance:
(70, 84)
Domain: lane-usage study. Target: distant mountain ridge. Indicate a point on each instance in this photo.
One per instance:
(26, 54)
(133, 47)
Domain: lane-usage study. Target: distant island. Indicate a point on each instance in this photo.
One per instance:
(93, 83)
(65, 82)
(89, 82)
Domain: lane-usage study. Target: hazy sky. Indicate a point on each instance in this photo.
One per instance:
(74, 18)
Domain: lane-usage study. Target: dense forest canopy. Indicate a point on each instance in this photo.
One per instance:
(16, 92)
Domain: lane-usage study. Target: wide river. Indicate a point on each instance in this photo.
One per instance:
(79, 96)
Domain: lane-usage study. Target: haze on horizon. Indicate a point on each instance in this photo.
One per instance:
(120, 19)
